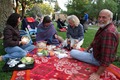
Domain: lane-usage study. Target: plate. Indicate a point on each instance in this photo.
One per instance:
(19, 66)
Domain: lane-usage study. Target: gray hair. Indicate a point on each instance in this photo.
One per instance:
(74, 18)
(108, 11)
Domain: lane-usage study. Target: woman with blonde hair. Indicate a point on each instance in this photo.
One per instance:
(75, 33)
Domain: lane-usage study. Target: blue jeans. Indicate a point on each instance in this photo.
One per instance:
(17, 51)
(84, 56)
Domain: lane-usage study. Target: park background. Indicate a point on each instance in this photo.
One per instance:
(40, 8)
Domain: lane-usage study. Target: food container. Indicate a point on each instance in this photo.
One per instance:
(27, 60)
(25, 39)
(51, 47)
(42, 44)
(40, 54)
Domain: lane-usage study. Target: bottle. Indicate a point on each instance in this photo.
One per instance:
(69, 44)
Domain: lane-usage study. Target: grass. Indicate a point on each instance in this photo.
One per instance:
(88, 37)
(3, 75)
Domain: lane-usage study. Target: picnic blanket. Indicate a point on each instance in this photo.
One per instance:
(52, 68)
(63, 30)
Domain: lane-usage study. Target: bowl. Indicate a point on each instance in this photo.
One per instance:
(27, 60)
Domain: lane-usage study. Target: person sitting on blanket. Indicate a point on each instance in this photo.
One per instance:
(103, 48)
(14, 46)
(61, 24)
(47, 32)
(75, 33)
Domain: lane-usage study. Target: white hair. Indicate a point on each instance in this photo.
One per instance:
(108, 11)
(74, 18)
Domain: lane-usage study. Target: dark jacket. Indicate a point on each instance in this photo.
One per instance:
(11, 36)
(76, 32)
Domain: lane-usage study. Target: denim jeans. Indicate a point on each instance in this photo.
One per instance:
(84, 56)
(17, 51)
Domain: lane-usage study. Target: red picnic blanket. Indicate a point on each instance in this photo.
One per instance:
(52, 68)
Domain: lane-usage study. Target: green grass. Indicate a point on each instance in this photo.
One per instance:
(3, 75)
(88, 37)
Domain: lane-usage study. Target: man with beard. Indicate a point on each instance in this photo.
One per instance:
(102, 50)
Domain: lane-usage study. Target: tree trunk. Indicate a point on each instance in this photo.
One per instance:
(17, 6)
(23, 8)
(6, 8)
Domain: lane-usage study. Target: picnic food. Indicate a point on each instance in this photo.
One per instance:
(39, 50)
(41, 44)
(40, 54)
(45, 52)
(51, 53)
(25, 39)
(27, 60)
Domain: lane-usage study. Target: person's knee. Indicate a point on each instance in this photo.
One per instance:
(72, 52)
(31, 47)
(24, 53)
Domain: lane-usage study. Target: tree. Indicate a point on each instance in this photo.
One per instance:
(77, 7)
(17, 5)
(40, 9)
(24, 3)
(46, 9)
(118, 10)
(57, 8)
(6, 8)
(34, 11)
(94, 8)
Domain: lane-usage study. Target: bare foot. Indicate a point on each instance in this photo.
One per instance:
(1, 58)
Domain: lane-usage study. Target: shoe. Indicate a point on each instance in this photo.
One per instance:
(1, 58)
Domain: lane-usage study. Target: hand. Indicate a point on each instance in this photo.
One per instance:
(56, 36)
(68, 39)
(94, 76)
(22, 42)
(76, 41)
(75, 46)
(87, 49)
